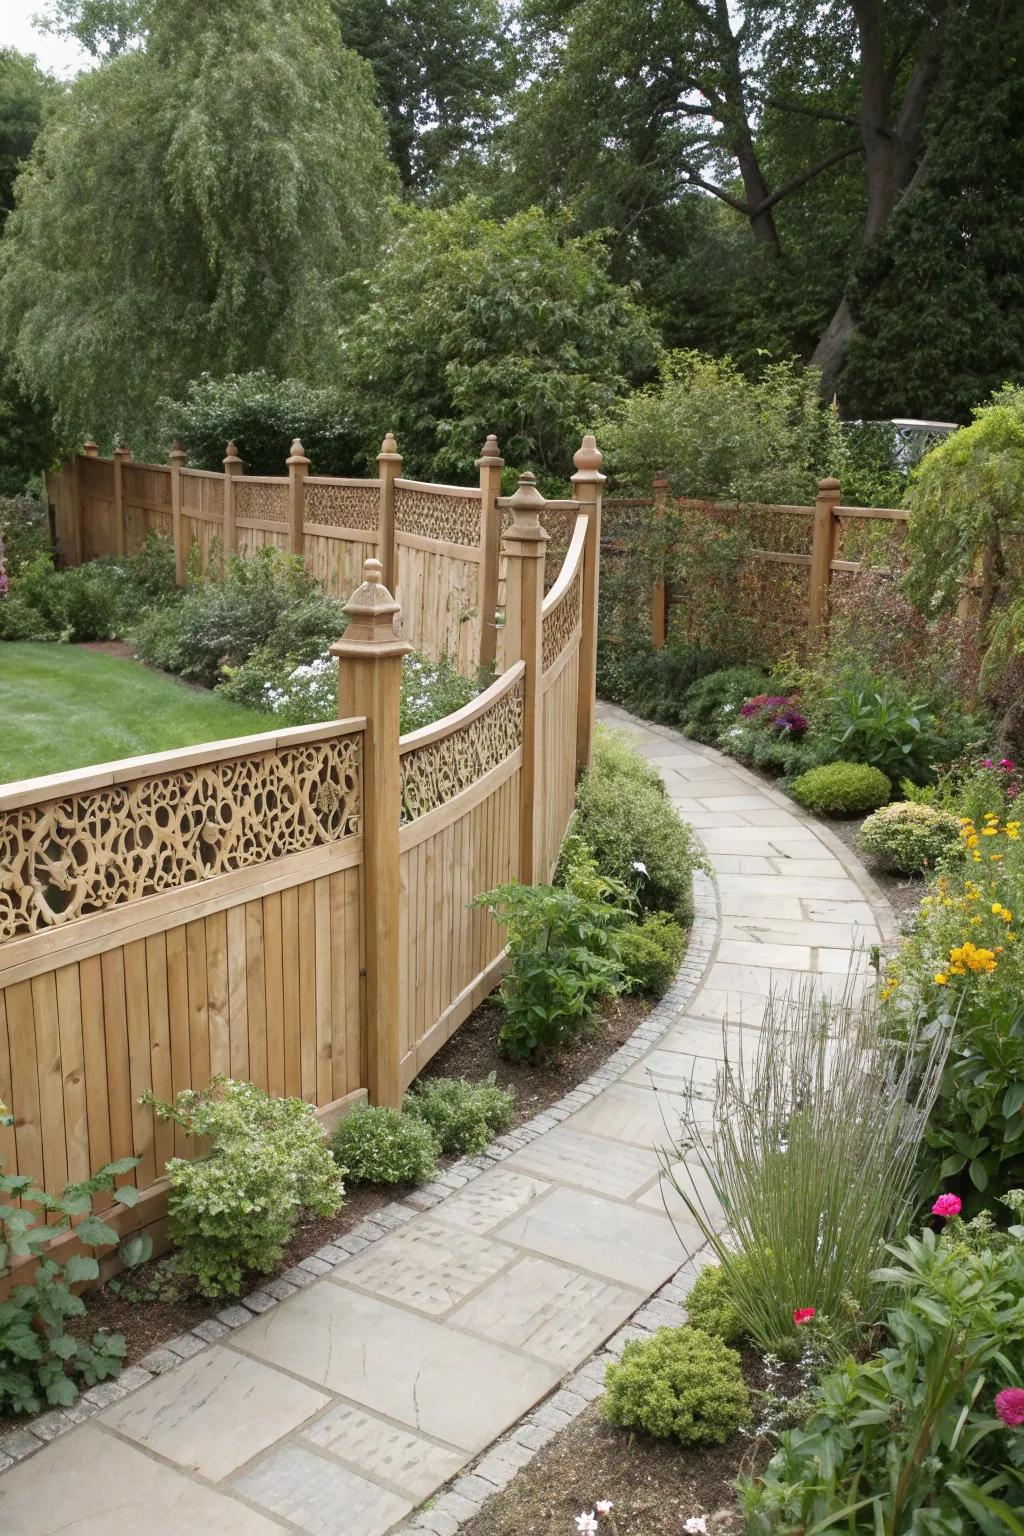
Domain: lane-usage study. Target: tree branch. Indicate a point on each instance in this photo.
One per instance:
(808, 175)
(802, 110)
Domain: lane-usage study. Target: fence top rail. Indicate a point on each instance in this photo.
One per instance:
(128, 770)
(162, 469)
(203, 474)
(350, 481)
(469, 492)
(570, 565)
(264, 479)
(887, 514)
(464, 716)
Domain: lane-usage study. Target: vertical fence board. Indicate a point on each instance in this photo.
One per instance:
(140, 1066)
(161, 1074)
(72, 1065)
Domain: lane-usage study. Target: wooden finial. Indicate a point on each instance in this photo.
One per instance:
(389, 449)
(91, 448)
(232, 453)
(373, 614)
(298, 453)
(588, 459)
(490, 453)
(828, 487)
(526, 506)
(177, 453)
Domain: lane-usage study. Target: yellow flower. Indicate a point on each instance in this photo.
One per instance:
(975, 919)
(941, 979)
(990, 831)
(973, 958)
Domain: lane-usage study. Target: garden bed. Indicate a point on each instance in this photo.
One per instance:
(654, 1485)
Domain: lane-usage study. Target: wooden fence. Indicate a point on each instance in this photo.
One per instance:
(438, 544)
(787, 559)
(292, 908)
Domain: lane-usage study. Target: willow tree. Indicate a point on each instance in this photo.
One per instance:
(193, 204)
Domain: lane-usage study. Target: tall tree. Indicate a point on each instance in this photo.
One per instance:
(193, 204)
(754, 104)
(443, 69)
(24, 91)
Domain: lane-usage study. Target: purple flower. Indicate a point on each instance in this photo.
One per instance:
(790, 723)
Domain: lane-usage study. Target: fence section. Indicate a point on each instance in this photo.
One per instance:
(765, 576)
(295, 908)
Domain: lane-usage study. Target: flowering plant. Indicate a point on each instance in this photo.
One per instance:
(775, 712)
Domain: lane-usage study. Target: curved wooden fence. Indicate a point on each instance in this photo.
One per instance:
(294, 907)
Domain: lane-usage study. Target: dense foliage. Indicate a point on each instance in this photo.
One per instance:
(262, 415)
(650, 952)
(233, 1210)
(463, 1116)
(908, 838)
(95, 601)
(376, 1145)
(841, 789)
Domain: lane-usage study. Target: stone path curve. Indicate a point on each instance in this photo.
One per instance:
(340, 1398)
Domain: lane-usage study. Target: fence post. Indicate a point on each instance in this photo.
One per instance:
(77, 512)
(586, 488)
(822, 555)
(298, 469)
(369, 683)
(524, 546)
(232, 466)
(122, 456)
(659, 610)
(490, 464)
(389, 468)
(178, 458)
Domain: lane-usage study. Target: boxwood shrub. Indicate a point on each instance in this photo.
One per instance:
(841, 789)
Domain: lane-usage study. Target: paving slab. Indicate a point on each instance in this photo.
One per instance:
(215, 1412)
(571, 1156)
(429, 1377)
(426, 1265)
(635, 1247)
(492, 1199)
(387, 1452)
(548, 1310)
(629, 1113)
(321, 1496)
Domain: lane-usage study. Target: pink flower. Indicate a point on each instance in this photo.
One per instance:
(1010, 1406)
(1006, 762)
(603, 1506)
(947, 1205)
(804, 1315)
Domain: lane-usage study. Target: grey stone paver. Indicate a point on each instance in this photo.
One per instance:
(336, 1398)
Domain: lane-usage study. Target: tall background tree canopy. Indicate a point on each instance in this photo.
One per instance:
(432, 208)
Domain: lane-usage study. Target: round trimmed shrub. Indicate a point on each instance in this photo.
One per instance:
(680, 1383)
(710, 1307)
(907, 837)
(841, 789)
(463, 1116)
(377, 1145)
(651, 952)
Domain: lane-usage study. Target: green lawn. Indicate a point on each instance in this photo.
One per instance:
(63, 707)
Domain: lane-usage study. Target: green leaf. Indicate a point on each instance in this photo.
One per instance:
(95, 1232)
(80, 1267)
(1013, 1099)
(979, 1174)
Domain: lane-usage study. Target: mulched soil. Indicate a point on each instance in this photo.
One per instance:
(123, 1306)
(654, 1485)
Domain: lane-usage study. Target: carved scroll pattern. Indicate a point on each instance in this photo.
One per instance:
(560, 623)
(343, 506)
(436, 773)
(435, 515)
(69, 858)
(263, 502)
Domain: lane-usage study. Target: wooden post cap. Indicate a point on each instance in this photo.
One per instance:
(389, 449)
(660, 481)
(526, 506)
(298, 453)
(177, 453)
(490, 454)
(122, 451)
(588, 459)
(373, 617)
(91, 448)
(828, 488)
(231, 456)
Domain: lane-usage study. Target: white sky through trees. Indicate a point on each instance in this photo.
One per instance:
(60, 55)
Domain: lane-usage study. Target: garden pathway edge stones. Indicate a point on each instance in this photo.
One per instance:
(440, 1345)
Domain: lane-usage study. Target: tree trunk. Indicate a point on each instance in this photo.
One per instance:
(830, 353)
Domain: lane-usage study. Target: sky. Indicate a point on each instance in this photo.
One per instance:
(56, 54)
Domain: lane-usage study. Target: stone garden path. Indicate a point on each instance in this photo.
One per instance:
(339, 1399)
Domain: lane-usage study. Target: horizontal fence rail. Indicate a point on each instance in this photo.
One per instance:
(295, 908)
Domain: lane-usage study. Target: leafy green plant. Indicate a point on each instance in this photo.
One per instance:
(234, 1210)
(376, 1145)
(649, 851)
(914, 1439)
(812, 1147)
(652, 683)
(463, 1116)
(650, 953)
(682, 1384)
(262, 415)
(712, 704)
(41, 1360)
(563, 955)
(841, 789)
(907, 837)
(882, 726)
(709, 1303)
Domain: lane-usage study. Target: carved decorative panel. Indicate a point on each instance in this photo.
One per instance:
(561, 622)
(436, 773)
(436, 515)
(343, 506)
(258, 499)
(86, 853)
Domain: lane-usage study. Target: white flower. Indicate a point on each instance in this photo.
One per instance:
(640, 867)
(586, 1524)
(604, 1506)
(697, 1525)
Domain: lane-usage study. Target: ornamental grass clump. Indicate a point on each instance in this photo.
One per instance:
(811, 1149)
(680, 1384)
